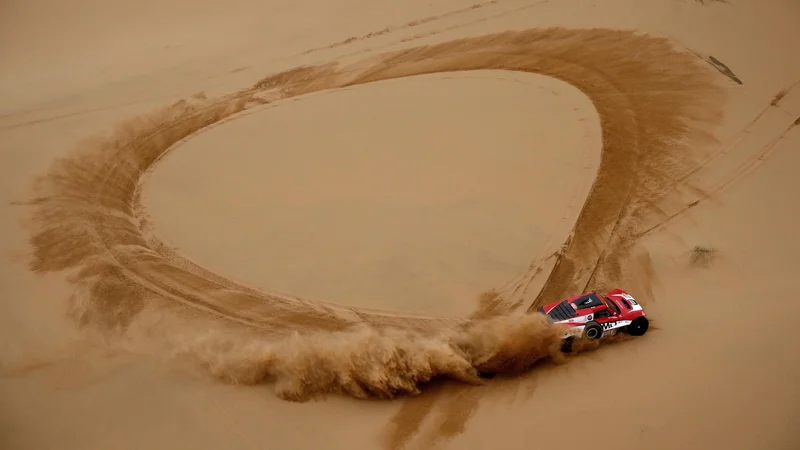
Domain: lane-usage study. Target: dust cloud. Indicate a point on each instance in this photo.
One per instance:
(364, 362)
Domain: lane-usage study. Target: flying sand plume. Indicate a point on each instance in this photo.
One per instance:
(363, 362)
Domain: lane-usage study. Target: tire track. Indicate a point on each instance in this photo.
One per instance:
(352, 40)
(513, 294)
(407, 25)
(732, 178)
(718, 156)
(737, 139)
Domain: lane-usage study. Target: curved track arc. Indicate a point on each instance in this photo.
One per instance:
(649, 102)
(226, 160)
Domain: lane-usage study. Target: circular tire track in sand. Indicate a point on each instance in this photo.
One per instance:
(652, 106)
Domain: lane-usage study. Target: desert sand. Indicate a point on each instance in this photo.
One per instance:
(311, 224)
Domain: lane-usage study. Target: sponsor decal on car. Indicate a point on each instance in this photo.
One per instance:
(608, 325)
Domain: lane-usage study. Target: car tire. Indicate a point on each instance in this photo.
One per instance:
(638, 327)
(566, 346)
(593, 331)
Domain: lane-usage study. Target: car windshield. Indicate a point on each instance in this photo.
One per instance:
(611, 305)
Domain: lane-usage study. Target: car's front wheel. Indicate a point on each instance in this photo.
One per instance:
(639, 326)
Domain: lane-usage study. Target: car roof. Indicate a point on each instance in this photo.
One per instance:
(589, 300)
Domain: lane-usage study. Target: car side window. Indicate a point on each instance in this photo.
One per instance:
(610, 304)
(602, 313)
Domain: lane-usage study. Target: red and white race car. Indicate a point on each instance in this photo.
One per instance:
(594, 316)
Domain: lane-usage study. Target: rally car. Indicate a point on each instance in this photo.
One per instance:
(593, 316)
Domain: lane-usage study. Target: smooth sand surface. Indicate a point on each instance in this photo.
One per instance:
(409, 194)
(394, 205)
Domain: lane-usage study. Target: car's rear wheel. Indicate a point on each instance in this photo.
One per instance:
(593, 331)
(566, 346)
(639, 326)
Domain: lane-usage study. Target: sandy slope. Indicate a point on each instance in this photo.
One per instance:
(714, 373)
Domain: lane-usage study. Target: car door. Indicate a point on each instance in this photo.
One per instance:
(605, 318)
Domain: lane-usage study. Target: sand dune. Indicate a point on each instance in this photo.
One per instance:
(668, 180)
